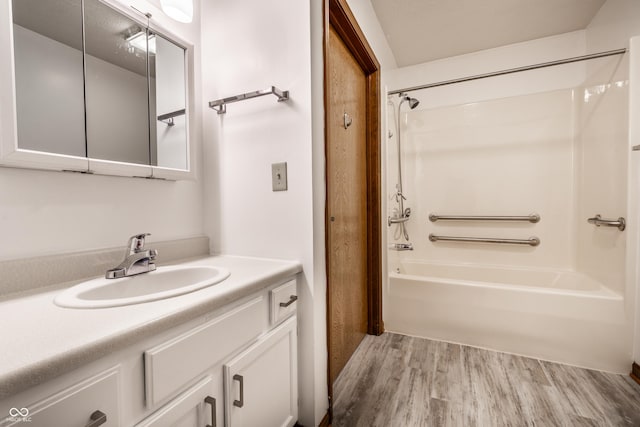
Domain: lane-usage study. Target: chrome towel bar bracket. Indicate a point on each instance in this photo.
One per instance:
(597, 220)
(220, 105)
(533, 218)
(532, 241)
(168, 118)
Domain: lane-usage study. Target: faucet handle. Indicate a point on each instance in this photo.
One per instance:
(136, 243)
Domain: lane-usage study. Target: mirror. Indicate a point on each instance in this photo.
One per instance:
(116, 86)
(168, 77)
(122, 99)
(47, 37)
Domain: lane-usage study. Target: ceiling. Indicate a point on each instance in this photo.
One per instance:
(425, 30)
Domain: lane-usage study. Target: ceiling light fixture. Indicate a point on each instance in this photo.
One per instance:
(180, 10)
(139, 41)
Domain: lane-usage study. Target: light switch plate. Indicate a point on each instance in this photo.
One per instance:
(279, 176)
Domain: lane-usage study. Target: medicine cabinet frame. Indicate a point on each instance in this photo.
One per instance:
(11, 155)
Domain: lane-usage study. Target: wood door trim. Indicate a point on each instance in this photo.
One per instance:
(337, 13)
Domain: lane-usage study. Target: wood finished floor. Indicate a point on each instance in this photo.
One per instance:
(400, 381)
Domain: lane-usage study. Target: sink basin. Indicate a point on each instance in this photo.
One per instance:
(164, 282)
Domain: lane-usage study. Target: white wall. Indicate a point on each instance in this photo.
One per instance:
(616, 22)
(464, 141)
(53, 212)
(502, 58)
(506, 156)
(601, 155)
(370, 26)
(634, 190)
(612, 28)
(249, 45)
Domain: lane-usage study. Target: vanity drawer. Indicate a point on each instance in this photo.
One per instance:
(283, 301)
(173, 364)
(95, 397)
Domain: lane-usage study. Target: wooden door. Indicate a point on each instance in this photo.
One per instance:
(346, 153)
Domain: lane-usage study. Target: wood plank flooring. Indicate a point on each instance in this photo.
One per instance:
(399, 381)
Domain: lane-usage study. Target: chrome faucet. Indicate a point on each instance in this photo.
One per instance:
(137, 259)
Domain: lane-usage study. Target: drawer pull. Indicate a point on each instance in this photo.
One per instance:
(239, 403)
(292, 299)
(97, 419)
(212, 401)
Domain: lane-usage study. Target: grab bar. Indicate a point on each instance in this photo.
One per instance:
(598, 221)
(534, 217)
(532, 241)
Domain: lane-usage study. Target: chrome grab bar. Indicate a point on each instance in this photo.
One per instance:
(598, 221)
(532, 241)
(533, 218)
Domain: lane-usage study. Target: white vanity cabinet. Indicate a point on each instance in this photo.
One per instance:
(260, 372)
(199, 351)
(178, 361)
(184, 376)
(261, 383)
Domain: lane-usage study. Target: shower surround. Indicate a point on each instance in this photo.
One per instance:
(554, 142)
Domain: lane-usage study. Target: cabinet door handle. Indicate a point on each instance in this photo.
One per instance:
(97, 419)
(292, 299)
(239, 403)
(212, 401)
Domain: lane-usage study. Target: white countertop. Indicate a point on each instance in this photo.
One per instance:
(41, 341)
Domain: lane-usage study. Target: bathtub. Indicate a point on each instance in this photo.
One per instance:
(557, 315)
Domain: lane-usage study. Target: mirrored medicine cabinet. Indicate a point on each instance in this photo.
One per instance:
(95, 87)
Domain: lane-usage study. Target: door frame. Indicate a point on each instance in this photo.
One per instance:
(338, 14)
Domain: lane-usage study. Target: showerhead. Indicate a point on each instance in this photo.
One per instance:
(413, 102)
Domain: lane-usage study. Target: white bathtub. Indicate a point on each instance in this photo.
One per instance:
(557, 315)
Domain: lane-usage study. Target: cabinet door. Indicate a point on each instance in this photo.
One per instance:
(199, 406)
(261, 384)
